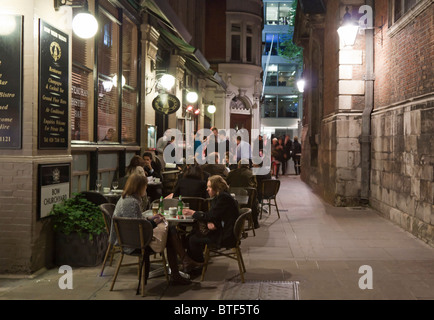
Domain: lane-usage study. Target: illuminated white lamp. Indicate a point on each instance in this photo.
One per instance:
(84, 25)
(348, 30)
(211, 108)
(167, 81)
(300, 85)
(192, 97)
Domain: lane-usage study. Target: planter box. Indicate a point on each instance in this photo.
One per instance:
(75, 251)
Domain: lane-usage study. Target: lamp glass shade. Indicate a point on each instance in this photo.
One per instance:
(211, 108)
(348, 33)
(192, 97)
(167, 81)
(84, 25)
(300, 85)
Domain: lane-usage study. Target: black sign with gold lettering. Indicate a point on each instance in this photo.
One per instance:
(53, 88)
(11, 58)
(166, 103)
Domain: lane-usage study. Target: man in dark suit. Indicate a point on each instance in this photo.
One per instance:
(216, 168)
(152, 169)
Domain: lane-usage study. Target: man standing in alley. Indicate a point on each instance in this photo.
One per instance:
(296, 155)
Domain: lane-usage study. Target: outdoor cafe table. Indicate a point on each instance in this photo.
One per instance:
(172, 221)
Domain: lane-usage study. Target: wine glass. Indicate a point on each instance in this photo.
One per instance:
(98, 185)
(115, 185)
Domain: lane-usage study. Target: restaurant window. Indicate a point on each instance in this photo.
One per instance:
(82, 87)
(108, 71)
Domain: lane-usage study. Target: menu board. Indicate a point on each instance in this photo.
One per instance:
(53, 88)
(11, 57)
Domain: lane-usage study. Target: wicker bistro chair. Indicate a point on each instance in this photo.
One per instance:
(269, 189)
(252, 204)
(196, 203)
(251, 193)
(94, 197)
(107, 210)
(135, 233)
(232, 253)
(169, 181)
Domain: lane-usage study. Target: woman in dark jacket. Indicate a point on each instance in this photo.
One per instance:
(192, 183)
(220, 220)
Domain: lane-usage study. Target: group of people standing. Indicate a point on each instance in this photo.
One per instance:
(282, 150)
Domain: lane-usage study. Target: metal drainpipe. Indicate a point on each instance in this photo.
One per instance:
(365, 138)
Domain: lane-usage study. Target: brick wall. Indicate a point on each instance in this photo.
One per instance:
(402, 123)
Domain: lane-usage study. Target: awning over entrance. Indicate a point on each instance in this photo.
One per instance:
(177, 36)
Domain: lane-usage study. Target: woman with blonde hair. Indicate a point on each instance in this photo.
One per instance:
(130, 206)
(220, 221)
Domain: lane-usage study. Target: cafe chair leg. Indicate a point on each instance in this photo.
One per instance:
(116, 272)
(205, 264)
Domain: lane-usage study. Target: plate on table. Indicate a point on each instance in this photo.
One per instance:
(117, 191)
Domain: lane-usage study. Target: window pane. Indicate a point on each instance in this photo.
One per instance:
(271, 42)
(249, 49)
(283, 13)
(129, 71)
(272, 9)
(397, 10)
(81, 105)
(107, 111)
(108, 67)
(270, 107)
(129, 116)
(288, 106)
(286, 75)
(236, 48)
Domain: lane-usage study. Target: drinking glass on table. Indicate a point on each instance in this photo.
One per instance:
(155, 207)
(98, 185)
(115, 184)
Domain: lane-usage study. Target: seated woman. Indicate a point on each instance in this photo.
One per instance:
(130, 205)
(192, 183)
(220, 220)
(136, 166)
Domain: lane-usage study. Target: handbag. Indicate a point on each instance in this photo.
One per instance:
(159, 237)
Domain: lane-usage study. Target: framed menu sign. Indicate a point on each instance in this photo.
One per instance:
(53, 88)
(53, 186)
(11, 63)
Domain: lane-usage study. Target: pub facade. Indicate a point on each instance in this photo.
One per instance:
(75, 110)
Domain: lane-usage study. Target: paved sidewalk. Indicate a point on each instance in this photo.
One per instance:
(319, 245)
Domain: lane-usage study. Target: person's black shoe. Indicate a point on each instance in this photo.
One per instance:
(180, 281)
